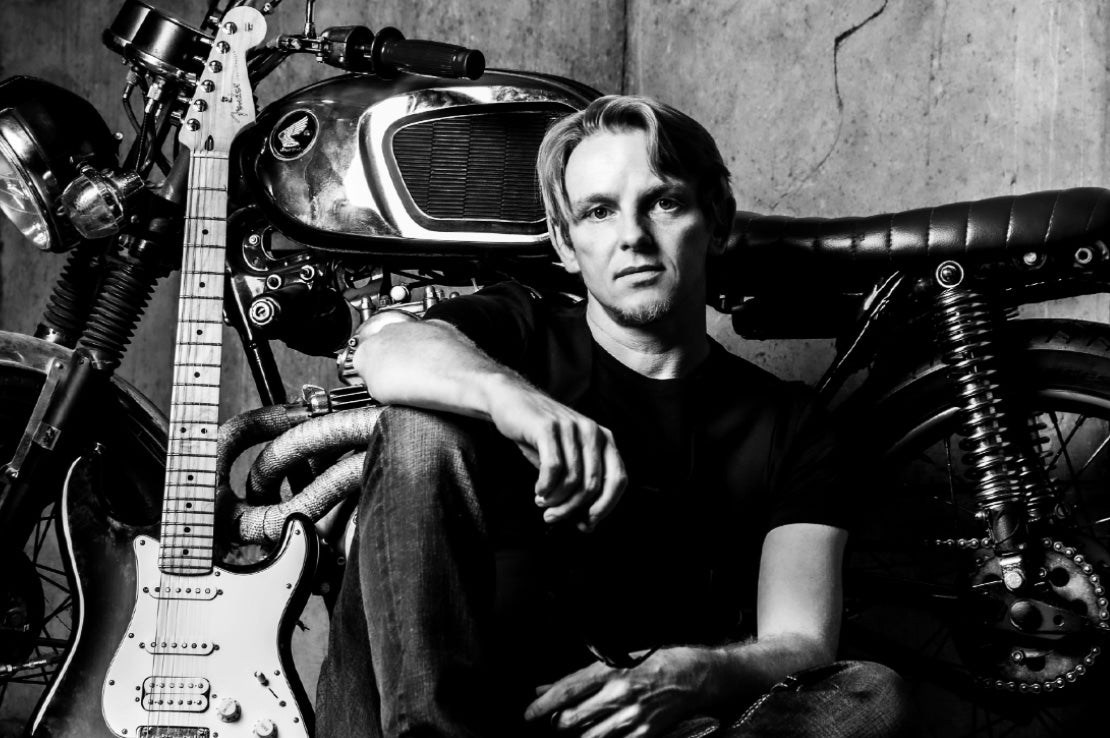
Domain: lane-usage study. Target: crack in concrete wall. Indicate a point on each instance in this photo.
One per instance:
(800, 182)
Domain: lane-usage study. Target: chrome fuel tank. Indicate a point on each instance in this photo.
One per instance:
(416, 166)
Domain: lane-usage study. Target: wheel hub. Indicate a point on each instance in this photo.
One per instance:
(21, 608)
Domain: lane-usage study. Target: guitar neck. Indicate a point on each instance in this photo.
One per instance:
(188, 507)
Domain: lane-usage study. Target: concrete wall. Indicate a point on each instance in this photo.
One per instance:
(821, 108)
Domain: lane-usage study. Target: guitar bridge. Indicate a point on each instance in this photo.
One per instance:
(158, 731)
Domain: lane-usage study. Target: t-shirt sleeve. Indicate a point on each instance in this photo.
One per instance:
(500, 319)
(810, 478)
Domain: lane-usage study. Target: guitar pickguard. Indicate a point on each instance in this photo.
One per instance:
(215, 665)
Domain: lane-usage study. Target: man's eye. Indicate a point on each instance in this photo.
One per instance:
(667, 204)
(599, 212)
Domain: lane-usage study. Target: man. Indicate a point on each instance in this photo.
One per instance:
(672, 483)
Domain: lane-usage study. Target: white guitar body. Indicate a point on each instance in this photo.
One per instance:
(219, 665)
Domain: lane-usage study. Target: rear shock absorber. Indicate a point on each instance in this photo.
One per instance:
(999, 445)
(72, 296)
(123, 298)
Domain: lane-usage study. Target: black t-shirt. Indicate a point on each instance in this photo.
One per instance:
(715, 459)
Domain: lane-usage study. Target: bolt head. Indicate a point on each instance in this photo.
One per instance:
(1013, 579)
(230, 28)
(215, 66)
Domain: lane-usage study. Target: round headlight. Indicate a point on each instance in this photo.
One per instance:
(20, 202)
(46, 133)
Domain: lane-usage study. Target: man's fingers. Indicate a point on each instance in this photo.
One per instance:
(558, 512)
(622, 722)
(572, 456)
(613, 484)
(551, 466)
(568, 691)
(593, 461)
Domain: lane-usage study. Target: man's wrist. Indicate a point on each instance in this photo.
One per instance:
(495, 390)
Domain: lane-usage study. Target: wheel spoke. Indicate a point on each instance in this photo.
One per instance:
(1063, 445)
(64, 607)
(1091, 458)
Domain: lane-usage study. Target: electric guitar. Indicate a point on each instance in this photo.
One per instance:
(167, 644)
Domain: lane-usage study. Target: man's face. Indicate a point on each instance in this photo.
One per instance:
(638, 239)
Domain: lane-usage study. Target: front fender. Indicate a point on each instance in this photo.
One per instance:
(22, 352)
(132, 430)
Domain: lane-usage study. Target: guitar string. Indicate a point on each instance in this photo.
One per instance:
(179, 622)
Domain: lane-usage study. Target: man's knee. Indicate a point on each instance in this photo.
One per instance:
(423, 443)
(874, 689)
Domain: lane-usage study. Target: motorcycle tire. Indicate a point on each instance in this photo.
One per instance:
(917, 569)
(36, 611)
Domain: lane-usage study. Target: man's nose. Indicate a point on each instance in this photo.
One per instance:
(634, 232)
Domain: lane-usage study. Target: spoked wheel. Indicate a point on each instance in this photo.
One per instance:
(924, 587)
(36, 592)
(37, 620)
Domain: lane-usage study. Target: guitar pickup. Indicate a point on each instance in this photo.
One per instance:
(176, 694)
(179, 648)
(187, 592)
(158, 731)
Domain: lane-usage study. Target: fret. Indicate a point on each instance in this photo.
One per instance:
(191, 506)
(191, 541)
(191, 433)
(179, 484)
(192, 469)
(197, 374)
(195, 413)
(188, 523)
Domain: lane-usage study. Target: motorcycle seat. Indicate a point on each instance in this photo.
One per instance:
(779, 249)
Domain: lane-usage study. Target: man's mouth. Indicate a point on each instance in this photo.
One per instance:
(640, 269)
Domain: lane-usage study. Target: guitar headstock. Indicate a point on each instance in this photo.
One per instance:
(224, 103)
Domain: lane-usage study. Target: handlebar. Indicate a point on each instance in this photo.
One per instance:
(358, 49)
(391, 51)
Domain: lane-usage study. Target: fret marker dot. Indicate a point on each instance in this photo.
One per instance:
(202, 284)
(187, 529)
(196, 374)
(188, 505)
(200, 332)
(185, 551)
(203, 430)
(190, 477)
(204, 231)
(182, 429)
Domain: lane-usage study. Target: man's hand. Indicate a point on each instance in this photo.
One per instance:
(579, 467)
(643, 701)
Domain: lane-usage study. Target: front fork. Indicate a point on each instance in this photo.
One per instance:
(66, 404)
(1001, 443)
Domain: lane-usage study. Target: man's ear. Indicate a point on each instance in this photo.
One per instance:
(564, 250)
(725, 217)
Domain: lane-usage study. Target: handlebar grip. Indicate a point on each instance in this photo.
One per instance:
(428, 57)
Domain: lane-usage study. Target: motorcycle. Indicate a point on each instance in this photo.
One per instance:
(977, 566)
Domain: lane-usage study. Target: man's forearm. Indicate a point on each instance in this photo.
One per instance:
(741, 671)
(431, 365)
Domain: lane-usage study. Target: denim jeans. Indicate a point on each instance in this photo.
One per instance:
(443, 626)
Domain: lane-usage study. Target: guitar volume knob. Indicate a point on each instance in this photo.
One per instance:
(228, 710)
(265, 728)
